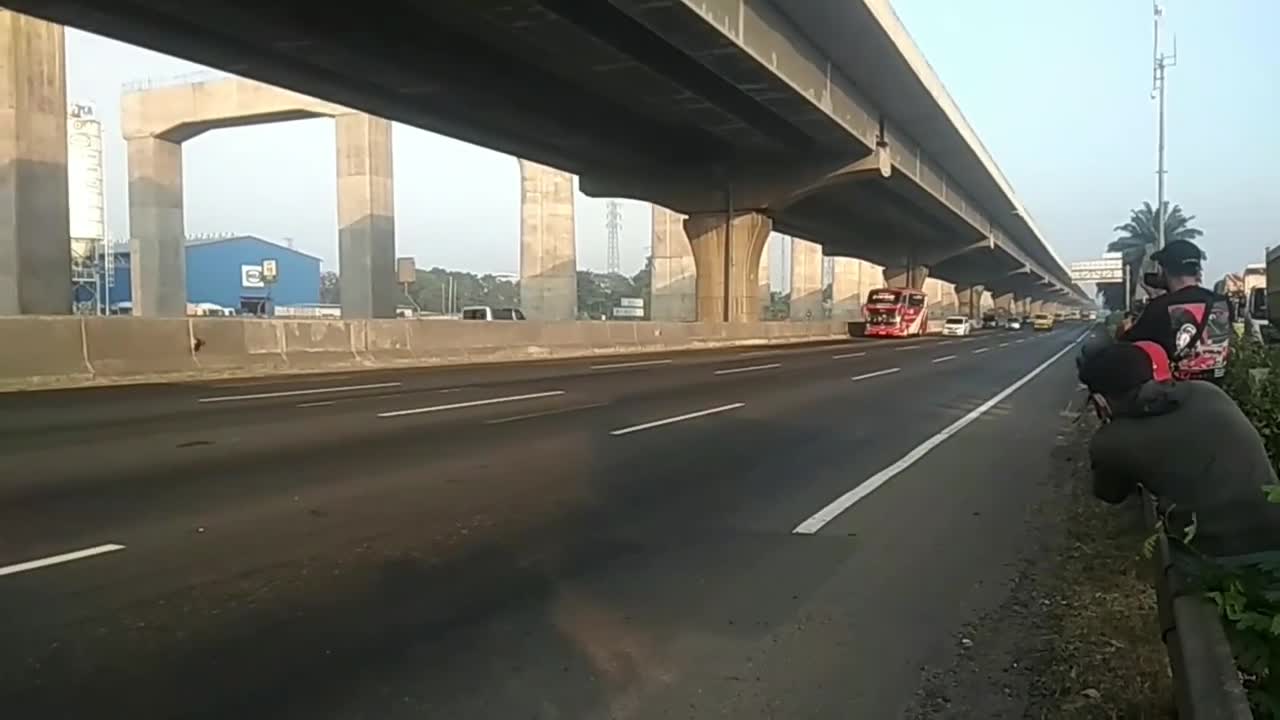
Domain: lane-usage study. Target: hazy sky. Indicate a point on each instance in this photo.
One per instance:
(1058, 92)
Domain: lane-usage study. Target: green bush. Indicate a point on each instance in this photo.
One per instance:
(1247, 598)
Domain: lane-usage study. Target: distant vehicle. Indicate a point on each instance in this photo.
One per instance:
(1089, 315)
(1042, 321)
(896, 312)
(1013, 323)
(484, 312)
(957, 325)
(989, 320)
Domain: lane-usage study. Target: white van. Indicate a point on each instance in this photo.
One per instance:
(484, 312)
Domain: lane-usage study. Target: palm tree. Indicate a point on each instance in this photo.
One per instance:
(1140, 232)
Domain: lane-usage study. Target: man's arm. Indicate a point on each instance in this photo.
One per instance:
(1113, 482)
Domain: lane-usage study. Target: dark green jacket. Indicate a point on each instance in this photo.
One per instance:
(1191, 446)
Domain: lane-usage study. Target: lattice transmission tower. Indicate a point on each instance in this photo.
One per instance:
(613, 228)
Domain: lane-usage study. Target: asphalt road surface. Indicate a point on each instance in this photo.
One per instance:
(688, 535)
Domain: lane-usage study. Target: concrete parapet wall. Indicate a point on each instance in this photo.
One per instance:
(42, 352)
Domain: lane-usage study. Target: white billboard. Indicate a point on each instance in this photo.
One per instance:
(1108, 269)
(251, 276)
(84, 177)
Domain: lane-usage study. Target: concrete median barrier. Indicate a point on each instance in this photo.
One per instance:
(38, 351)
(322, 344)
(129, 347)
(227, 345)
(44, 352)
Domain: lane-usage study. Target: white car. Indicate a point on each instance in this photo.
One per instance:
(957, 325)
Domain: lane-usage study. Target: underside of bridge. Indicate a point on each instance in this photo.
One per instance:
(642, 99)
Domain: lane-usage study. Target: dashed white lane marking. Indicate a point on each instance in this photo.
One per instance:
(914, 347)
(676, 419)
(318, 403)
(1004, 344)
(473, 403)
(58, 559)
(878, 373)
(819, 519)
(294, 393)
(944, 358)
(847, 356)
(545, 413)
(1020, 341)
(946, 342)
(979, 351)
(753, 368)
(638, 363)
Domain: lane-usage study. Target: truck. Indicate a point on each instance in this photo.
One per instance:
(1265, 305)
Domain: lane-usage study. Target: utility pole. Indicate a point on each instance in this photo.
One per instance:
(1160, 62)
(613, 228)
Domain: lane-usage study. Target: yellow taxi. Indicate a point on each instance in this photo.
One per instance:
(1042, 321)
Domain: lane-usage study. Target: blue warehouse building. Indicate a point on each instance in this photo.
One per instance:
(227, 271)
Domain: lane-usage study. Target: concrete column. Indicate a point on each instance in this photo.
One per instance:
(1007, 303)
(157, 239)
(969, 301)
(766, 288)
(35, 243)
(548, 255)
(366, 217)
(673, 287)
(870, 277)
(710, 238)
(1038, 306)
(846, 289)
(806, 280)
(902, 276)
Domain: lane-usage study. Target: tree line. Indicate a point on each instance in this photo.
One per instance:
(431, 291)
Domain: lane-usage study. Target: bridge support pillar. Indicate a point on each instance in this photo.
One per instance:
(366, 217)
(766, 288)
(673, 291)
(727, 254)
(157, 249)
(548, 254)
(1038, 306)
(35, 241)
(806, 280)
(969, 301)
(847, 293)
(906, 276)
(1008, 303)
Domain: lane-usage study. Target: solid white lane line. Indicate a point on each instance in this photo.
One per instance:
(914, 347)
(319, 403)
(294, 393)
(944, 358)
(819, 519)
(753, 368)
(58, 559)
(473, 403)
(979, 351)
(676, 419)
(545, 413)
(878, 373)
(638, 363)
(847, 356)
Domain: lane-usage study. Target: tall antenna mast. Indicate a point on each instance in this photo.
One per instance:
(613, 226)
(1160, 62)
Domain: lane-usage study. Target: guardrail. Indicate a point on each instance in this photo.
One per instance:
(1206, 683)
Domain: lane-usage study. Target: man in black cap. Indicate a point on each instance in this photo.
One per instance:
(1188, 444)
(1191, 322)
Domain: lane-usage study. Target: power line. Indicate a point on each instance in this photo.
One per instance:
(613, 226)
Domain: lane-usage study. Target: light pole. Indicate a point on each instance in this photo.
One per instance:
(1160, 62)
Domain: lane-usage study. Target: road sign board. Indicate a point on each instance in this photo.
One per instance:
(629, 312)
(1108, 269)
(631, 302)
(270, 271)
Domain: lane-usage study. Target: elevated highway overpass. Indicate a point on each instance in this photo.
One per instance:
(819, 119)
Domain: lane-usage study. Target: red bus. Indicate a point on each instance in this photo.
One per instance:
(896, 312)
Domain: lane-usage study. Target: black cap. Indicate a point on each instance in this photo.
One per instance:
(1115, 369)
(1180, 256)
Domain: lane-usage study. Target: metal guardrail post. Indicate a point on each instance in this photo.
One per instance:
(1205, 680)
